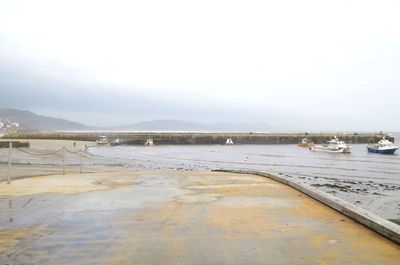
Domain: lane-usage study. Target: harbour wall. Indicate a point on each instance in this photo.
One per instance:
(16, 144)
(197, 138)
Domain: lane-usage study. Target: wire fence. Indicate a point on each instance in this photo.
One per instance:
(26, 162)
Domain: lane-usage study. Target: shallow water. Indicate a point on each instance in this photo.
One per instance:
(286, 159)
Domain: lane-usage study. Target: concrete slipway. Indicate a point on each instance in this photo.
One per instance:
(177, 218)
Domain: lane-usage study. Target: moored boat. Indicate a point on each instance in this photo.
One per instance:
(229, 141)
(382, 147)
(305, 142)
(102, 140)
(149, 142)
(334, 146)
(115, 142)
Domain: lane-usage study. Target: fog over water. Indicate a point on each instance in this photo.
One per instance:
(309, 65)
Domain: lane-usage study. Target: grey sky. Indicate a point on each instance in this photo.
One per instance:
(311, 65)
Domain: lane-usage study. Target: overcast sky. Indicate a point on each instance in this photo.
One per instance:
(307, 65)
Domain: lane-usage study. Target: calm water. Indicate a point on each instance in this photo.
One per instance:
(286, 159)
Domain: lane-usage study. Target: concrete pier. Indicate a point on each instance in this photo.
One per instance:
(177, 218)
(163, 138)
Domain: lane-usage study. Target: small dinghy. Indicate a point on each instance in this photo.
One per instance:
(116, 142)
(229, 141)
(305, 142)
(149, 142)
(333, 146)
(102, 140)
(383, 147)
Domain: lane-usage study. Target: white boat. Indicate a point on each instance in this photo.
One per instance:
(382, 147)
(115, 142)
(229, 141)
(334, 146)
(102, 140)
(149, 142)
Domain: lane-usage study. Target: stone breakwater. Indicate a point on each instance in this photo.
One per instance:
(16, 144)
(193, 138)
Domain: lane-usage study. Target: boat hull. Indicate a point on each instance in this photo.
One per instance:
(305, 145)
(328, 150)
(385, 151)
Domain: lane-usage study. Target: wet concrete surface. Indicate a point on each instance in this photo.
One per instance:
(177, 218)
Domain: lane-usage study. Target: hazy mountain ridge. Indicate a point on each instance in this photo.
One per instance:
(30, 121)
(178, 125)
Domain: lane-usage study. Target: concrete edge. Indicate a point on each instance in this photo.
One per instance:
(372, 221)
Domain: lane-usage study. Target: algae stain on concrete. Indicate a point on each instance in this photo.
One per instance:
(9, 238)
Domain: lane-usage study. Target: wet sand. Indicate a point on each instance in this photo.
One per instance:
(177, 218)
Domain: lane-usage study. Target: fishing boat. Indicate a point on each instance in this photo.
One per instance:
(333, 146)
(382, 147)
(229, 141)
(102, 140)
(305, 142)
(115, 142)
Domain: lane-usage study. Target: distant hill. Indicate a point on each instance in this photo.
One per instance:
(164, 125)
(177, 125)
(30, 121)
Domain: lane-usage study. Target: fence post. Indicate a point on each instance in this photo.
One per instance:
(80, 162)
(9, 162)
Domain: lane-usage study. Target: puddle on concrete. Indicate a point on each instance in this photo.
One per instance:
(150, 189)
(247, 201)
(47, 207)
(199, 198)
(30, 210)
(88, 220)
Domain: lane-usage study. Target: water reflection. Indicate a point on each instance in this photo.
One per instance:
(10, 210)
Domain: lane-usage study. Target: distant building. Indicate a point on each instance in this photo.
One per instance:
(8, 126)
